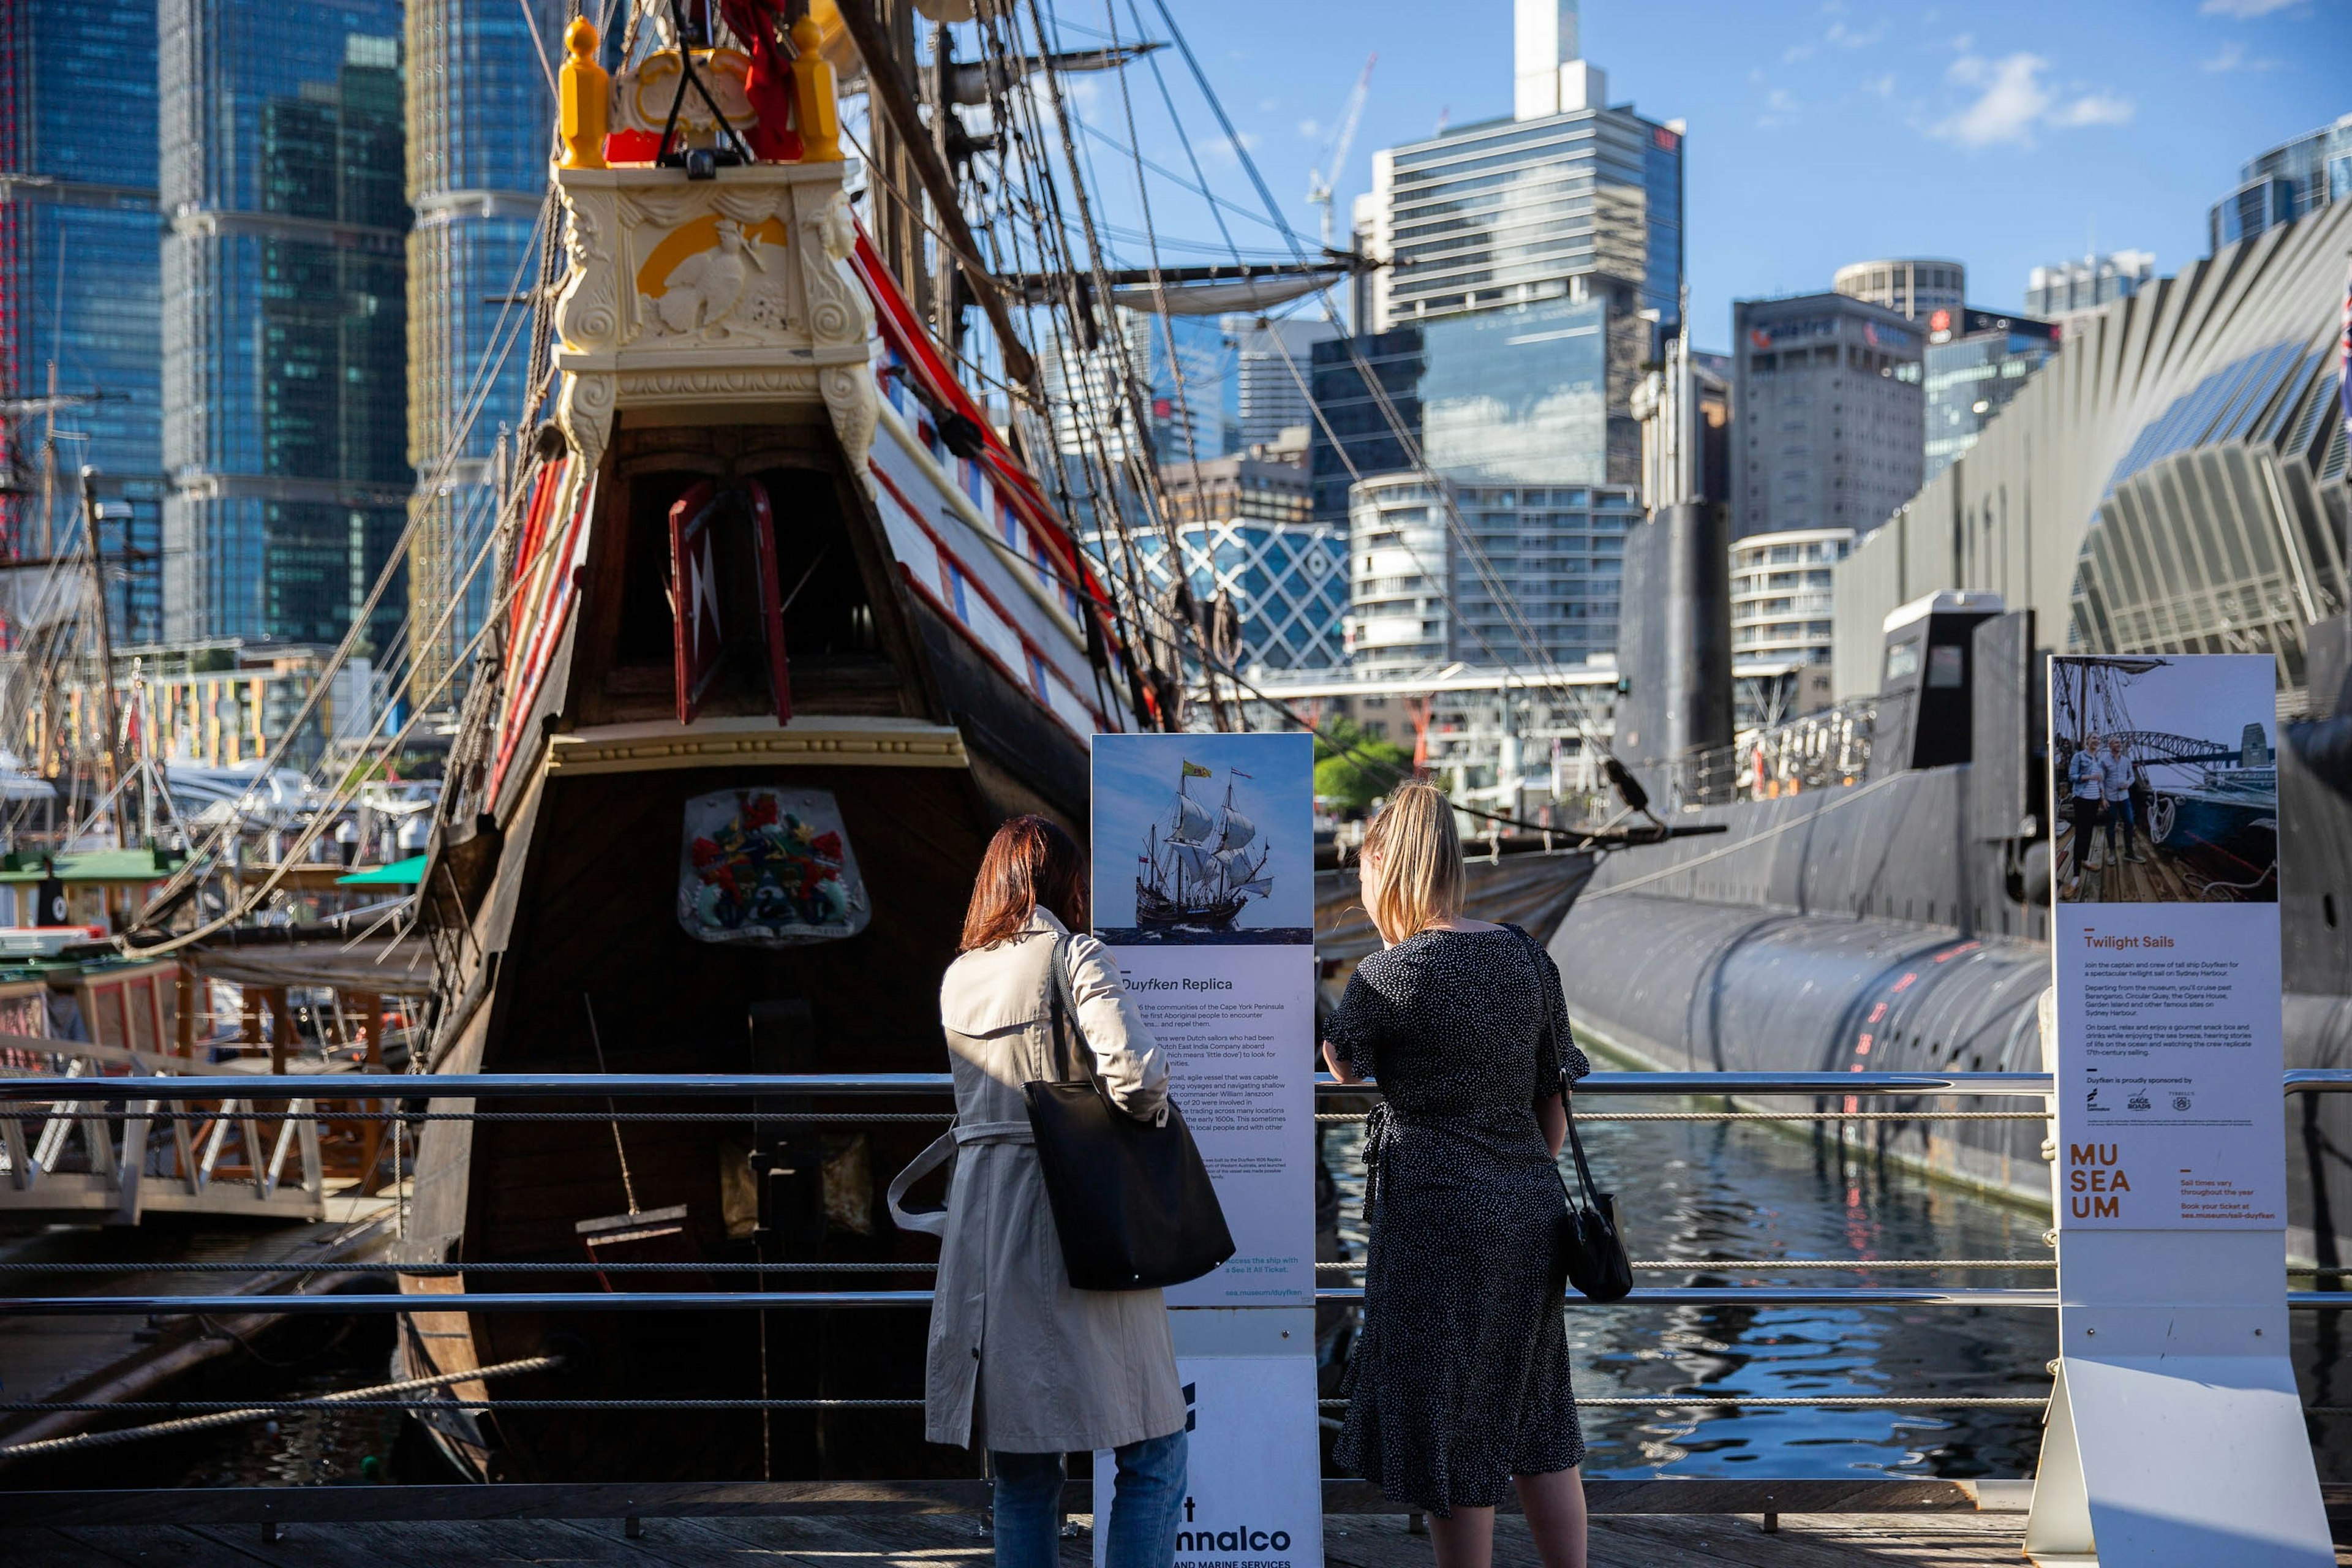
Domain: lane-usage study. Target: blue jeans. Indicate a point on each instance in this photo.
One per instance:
(1145, 1507)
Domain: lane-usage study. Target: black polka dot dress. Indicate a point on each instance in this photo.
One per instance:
(1459, 1378)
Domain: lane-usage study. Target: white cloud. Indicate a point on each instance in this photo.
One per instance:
(1311, 129)
(2093, 109)
(2232, 57)
(1880, 86)
(1796, 52)
(1846, 38)
(1221, 149)
(2244, 10)
(1781, 107)
(2013, 97)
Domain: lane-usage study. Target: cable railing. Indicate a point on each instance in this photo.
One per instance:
(781, 1098)
(142, 1099)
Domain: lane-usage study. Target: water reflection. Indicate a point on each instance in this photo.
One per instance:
(1740, 1190)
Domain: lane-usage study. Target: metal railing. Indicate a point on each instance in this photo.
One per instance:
(142, 1097)
(292, 1099)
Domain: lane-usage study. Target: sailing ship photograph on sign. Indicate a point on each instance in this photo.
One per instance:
(1193, 840)
(1205, 866)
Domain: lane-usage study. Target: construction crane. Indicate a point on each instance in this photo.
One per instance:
(1343, 136)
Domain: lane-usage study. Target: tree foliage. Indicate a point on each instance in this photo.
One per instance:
(1353, 769)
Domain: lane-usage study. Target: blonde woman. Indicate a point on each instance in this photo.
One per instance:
(1458, 1385)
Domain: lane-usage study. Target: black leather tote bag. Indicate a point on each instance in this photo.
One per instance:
(1592, 1251)
(1131, 1200)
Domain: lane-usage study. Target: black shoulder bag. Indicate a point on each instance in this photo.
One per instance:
(1593, 1254)
(1131, 1200)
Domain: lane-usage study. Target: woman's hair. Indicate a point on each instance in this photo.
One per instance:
(1412, 872)
(1030, 862)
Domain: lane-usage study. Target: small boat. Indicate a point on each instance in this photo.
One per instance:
(1197, 870)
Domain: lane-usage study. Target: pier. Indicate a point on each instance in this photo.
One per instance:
(1919, 1525)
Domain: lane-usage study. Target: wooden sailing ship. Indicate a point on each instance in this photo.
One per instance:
(1197, 868)
(789, 631)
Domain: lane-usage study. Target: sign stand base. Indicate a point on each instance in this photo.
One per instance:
(2173, 1448)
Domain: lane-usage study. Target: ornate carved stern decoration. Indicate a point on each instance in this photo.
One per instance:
(707, 279)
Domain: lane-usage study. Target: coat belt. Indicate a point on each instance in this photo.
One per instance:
(934, 1221)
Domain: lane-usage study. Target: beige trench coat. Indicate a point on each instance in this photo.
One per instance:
(1018, 1360)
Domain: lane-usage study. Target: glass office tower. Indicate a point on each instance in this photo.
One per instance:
(480, 128)
(1518, 210)
(79, 256)
(285, 317)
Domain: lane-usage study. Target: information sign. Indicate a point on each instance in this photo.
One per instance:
(2174, 1438)
(1204, 888)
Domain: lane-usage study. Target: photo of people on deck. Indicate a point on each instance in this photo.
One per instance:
(1204, 838)
(2163, 782)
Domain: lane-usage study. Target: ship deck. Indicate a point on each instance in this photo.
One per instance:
(944, 1541)
(2145, 876)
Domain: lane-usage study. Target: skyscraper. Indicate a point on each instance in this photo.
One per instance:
(480, 123)
(1246, 531)
(2072, 287)
(284, 305)
(1420, 599)
(1272, 361)
(1571, 197)
(1825, 392)
(1975, 362)
(1910, 286)
(1184, 367)
(80, 250)
(2284, 184)
(1353, 436)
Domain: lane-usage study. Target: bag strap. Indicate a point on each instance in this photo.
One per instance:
(1591, 1190)
(1062, 1008)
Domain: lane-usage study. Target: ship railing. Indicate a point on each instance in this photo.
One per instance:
(778, 1099)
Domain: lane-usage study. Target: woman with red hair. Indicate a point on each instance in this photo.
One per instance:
(1019, 1358)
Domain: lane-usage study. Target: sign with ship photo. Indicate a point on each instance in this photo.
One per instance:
(2164, 938)
(1204, 888)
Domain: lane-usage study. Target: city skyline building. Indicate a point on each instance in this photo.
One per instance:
(1571, 197)
(1273, 369)
(1246, 528)
(2173, 482)
(2084, 284)
(1829, 415)
(1783, 603)
(1185, 369)
(1912, 286)
(1353, 437)
(1417, 599)
(1536, 394)
(1973, 365)
(284, 318)
(2292, 180)
(476, 178)
(80, 258)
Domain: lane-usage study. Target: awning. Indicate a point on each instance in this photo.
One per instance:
(399, 874)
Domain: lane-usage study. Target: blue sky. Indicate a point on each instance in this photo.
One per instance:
(2004, 135)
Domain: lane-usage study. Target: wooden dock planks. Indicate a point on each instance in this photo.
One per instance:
(950, 1541)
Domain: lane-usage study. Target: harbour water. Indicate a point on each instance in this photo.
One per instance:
(1723, 1190)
